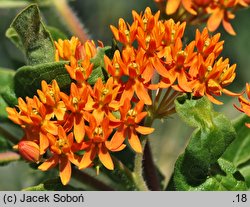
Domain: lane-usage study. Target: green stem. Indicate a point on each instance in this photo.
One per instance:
(89, 180)
(138, 166)
(138, 170)
(70, 19)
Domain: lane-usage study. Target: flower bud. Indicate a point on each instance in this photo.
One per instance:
(29, 150)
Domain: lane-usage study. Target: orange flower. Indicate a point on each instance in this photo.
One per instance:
(245, 103)
(76, 103)
(173, 5)
(213, 77)
(104, 96)
(32, 117)
(98, 144)
(80, 71)
(65, 49)
(125, 33)
(220, 13)
(198, 11)
(50, 96)
(115, 67)
(207, 44)
(129, 127)
(62, 154)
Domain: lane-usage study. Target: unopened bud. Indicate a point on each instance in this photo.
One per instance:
(29, 150)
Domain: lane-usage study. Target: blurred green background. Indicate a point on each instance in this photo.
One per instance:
(171, 135)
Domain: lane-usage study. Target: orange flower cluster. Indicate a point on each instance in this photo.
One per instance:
(151, 46)
(245, 103)
(89, 122)
(212, 11)
(93, 120)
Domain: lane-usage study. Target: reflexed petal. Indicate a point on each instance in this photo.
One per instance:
(105, 158)
(49, 164)
(144, 130)
(43, 142)
(213, 100)
(142, 93)
(117, 139)
(134, 141)
(215, 20)
(79, 130)
(172, 6)
(228, 27)
(65, 170)
(87, 158)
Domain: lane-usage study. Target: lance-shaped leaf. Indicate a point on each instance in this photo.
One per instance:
(7, 95)
(28, 78)
(239, 151)
(29, 34)
(200, 166)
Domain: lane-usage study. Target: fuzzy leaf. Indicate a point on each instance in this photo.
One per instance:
(28, 33)
(52, 185)
(222, 176)
(28, 78)
(238, 151)
(213, 134)
(7, 96)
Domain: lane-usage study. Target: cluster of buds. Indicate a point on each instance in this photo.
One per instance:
(214, 12)
(85, 125)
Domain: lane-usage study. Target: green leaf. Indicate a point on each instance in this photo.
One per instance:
(7, 96)
(52, 185)
(15, 38)
(28, 32)
(98, 62)
(56, 33)
(213, 134)
(28, 78)
(238, 151)
(222, 176)
(4, 144)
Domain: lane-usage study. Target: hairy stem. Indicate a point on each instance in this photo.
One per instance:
(89, 180)
(138, 168)
(70, 19)
(151, 176)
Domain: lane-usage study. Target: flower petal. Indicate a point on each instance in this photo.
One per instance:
(65, 170)
(79, 130)
(134, 141)
(49, 163)
(105, 158)
(43, 142)
(144, 130)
